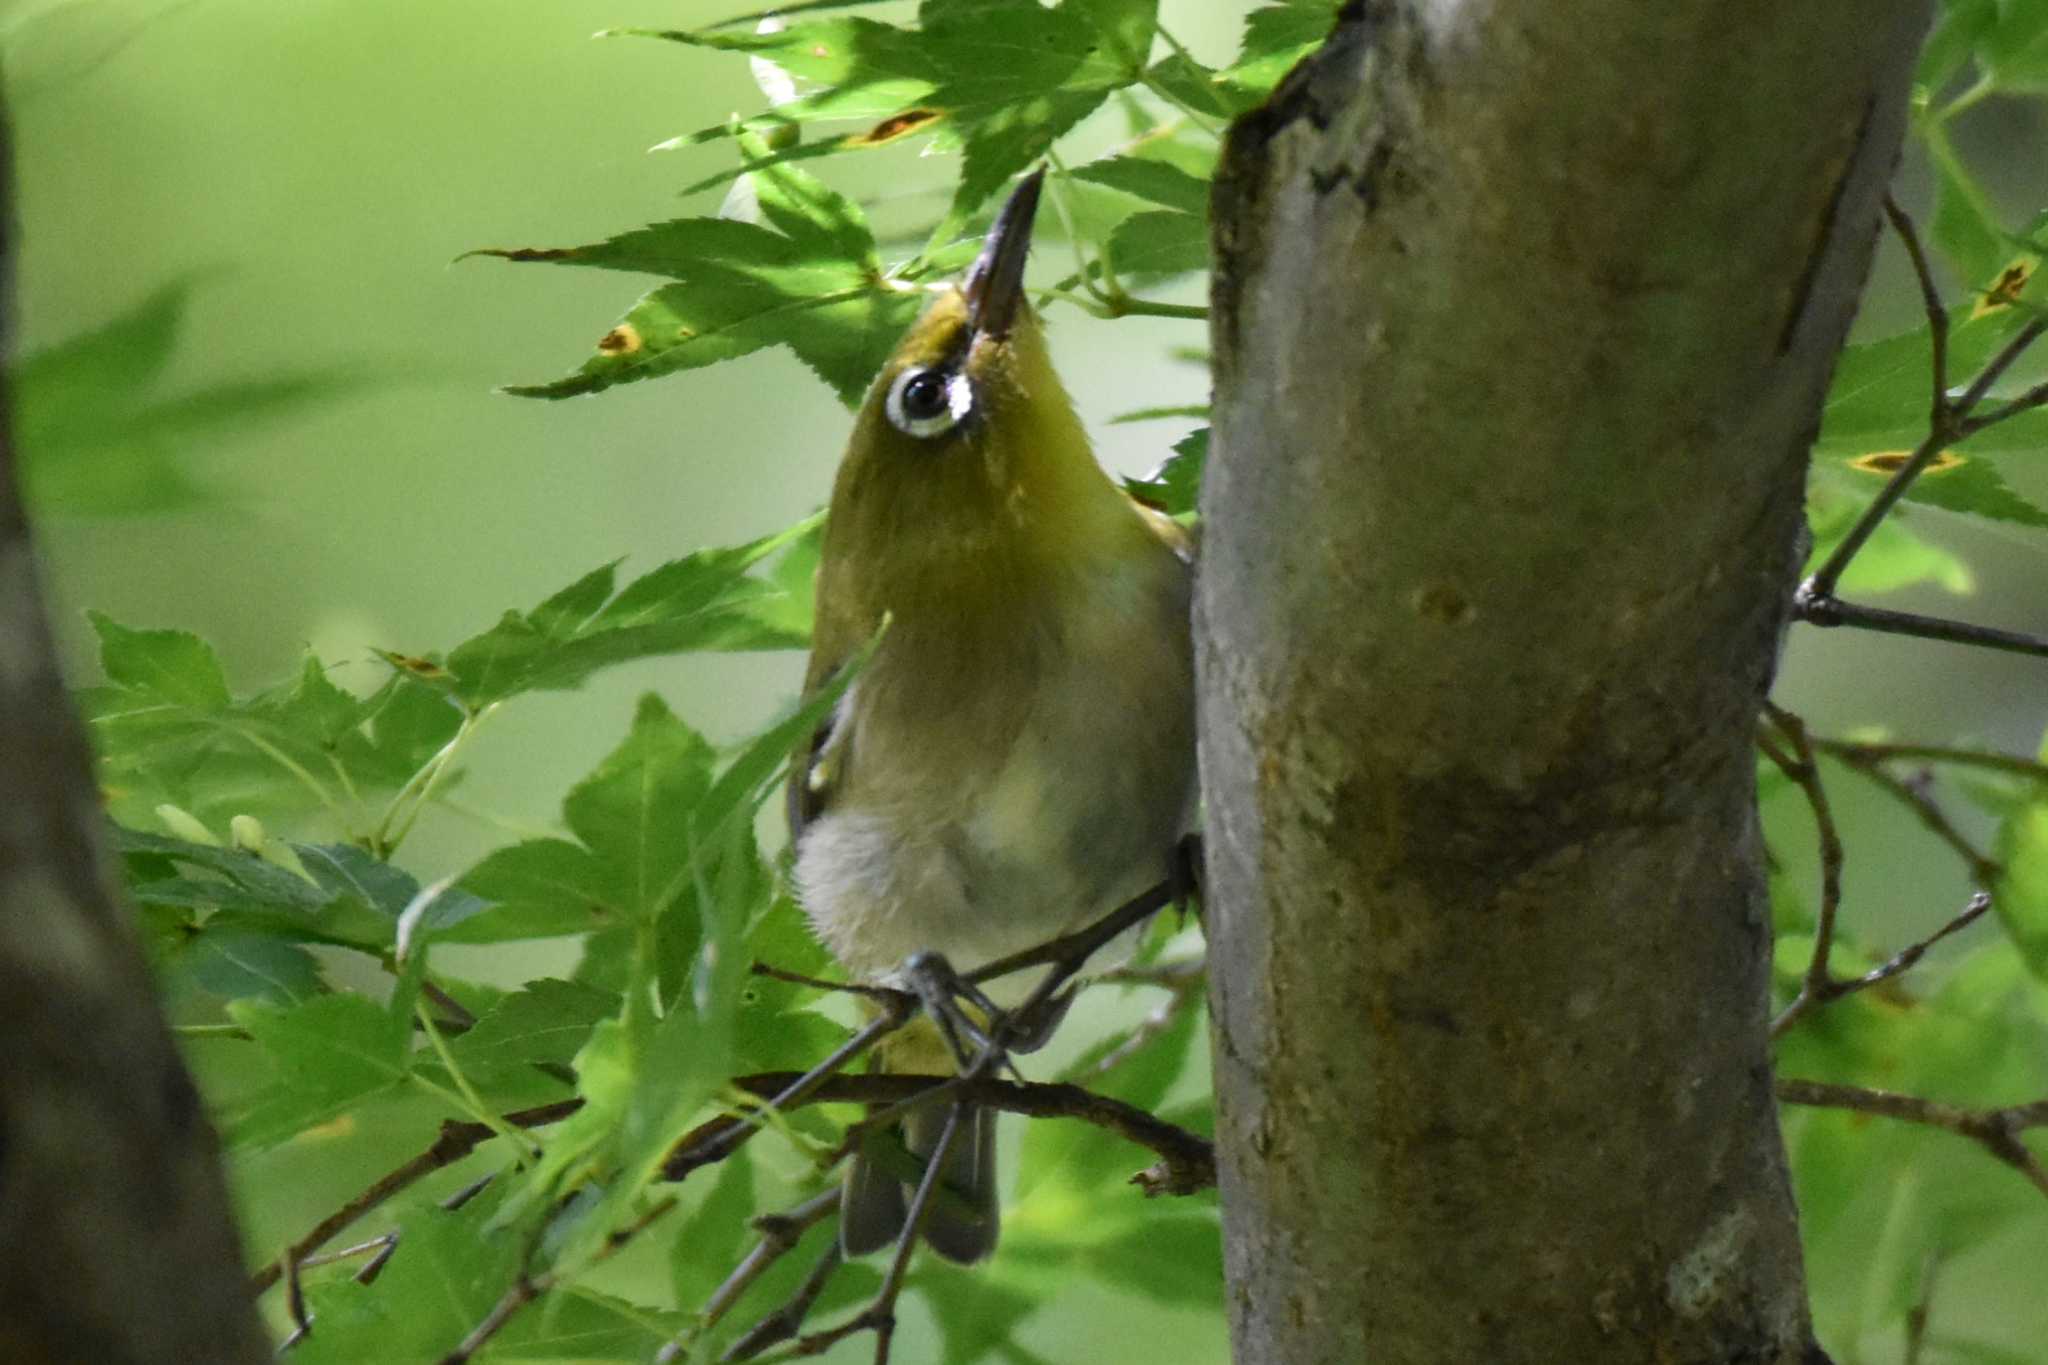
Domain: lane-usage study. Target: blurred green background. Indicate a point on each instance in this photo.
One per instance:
(315, 168)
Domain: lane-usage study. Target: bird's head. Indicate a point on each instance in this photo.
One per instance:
(968, 459)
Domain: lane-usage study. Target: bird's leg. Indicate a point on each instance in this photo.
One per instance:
(941, 991)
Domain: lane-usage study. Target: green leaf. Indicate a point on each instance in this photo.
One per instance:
(447, 1271)
(1146, 178)
(742, 287)
(1275, 30)
(854, 68)
(1126, 27)
(1159, 243)
(331, 1053)
(1962, 24)
(2021, 896)
(1176, 486)
(1965, 223)
(546, 1021)
(171, 666)
(2014, 51)
(541, 888)
(633, 811)
(239, 965)
(1954, 481)
(709, 1244)
(708, 600)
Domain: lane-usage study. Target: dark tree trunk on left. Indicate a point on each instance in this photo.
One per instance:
(116, 1245)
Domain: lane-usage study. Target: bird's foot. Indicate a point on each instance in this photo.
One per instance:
(953, 1002)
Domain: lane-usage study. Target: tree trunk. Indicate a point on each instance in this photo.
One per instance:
(115, 1243)
(1523, 317)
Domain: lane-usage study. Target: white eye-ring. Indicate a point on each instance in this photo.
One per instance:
(927, 402)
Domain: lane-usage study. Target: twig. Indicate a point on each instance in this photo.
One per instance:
(456, 1141)
(879, 1316)
(1949, 421)
(1909, 957)
(780, 1234)
(1996, 1130)
(1857, 750)
(1188, 1160)
(1804, 771)
(527, 1287)
(1930, 300)
(1832, 611)
(786, 1321)
(1183, 981)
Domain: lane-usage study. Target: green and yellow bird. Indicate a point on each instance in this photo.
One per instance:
(1017, 758)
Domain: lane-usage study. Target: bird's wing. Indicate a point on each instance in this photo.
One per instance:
(818, 768)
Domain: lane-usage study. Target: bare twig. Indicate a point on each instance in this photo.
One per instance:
(456, 1141)
(1909, 957)
(780, 1234)
(1804, 770)
(527, 1287)
(1860, 751)
(1183, 982)
(1996, 1130)
(1832, 611)
(1190, 1160)
(1930, 301)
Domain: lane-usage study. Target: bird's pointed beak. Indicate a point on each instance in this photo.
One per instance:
(995, 285)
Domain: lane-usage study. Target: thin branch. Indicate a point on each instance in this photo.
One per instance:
(1831, 611)
(786, 1321)
(1188, 1161)
(1996, 1130)
(1804, 770)
(1930, 301)
(1854, 751)
(527, 1287)
(456, 1141)
(1909, 957)
(780, 1235)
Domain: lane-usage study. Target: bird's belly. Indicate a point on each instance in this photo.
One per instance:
(1078, 813)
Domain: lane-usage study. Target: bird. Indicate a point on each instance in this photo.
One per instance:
(1016, 756)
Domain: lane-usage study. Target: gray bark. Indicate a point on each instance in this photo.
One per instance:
(116, 1247)
(1523, 317)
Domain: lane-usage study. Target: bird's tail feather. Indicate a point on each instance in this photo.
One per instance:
(965, 1216)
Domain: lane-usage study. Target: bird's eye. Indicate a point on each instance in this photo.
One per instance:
(926, 402)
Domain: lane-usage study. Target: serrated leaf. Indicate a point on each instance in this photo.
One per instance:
(237, 965)
(742, 287)
(1272, 30)
(1146, 178)
(172, 666)
(707, 600)
(1159, 243)
(633, 810)
(331, 1053)
(1955, 481)
(449, 1268)
(1126, 28)
(1176, 486)
(545, 1021)
(541, 888)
